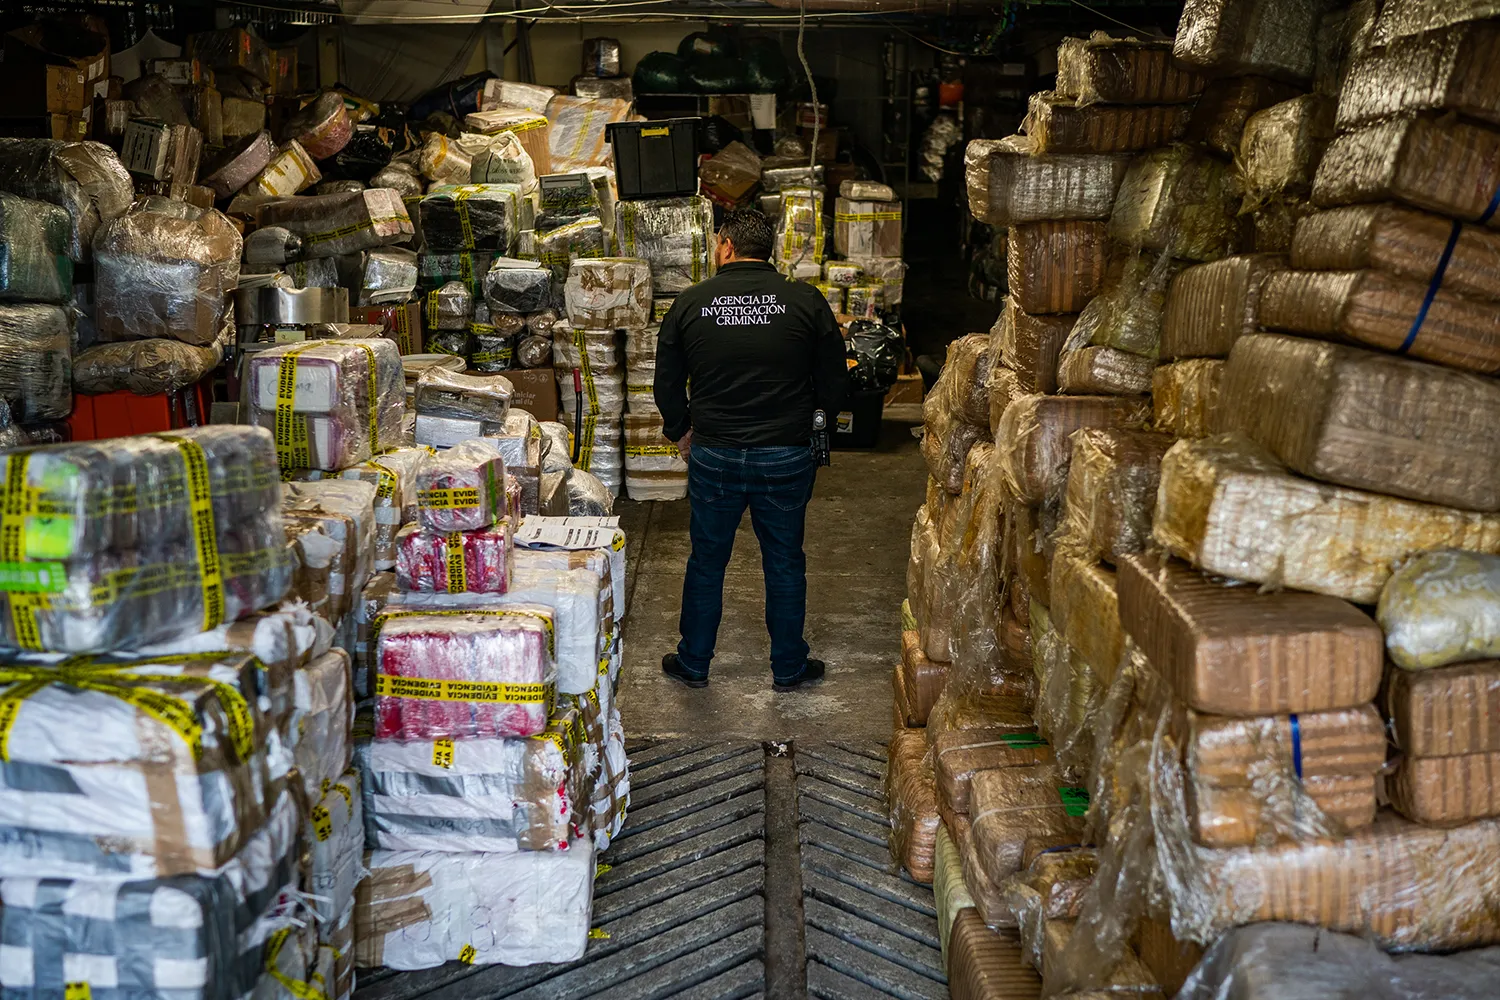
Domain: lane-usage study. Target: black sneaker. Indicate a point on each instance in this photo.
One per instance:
(812, 673)
(672, 667)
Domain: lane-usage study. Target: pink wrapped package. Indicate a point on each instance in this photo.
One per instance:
(463, 488)
(463, 674)
(454, 562)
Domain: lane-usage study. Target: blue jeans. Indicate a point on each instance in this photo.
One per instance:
(776, 484)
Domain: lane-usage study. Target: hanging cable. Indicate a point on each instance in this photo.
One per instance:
(812, 155)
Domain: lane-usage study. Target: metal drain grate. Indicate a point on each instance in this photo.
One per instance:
(706, 897)
(871, 932)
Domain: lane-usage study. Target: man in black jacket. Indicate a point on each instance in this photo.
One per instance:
(761, 353)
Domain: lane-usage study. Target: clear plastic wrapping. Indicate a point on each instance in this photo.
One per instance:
(1450, 69)
(1009, 183)
(1443, 165)
(1126, 315)
(475, 561)
(1111, 490)
(1179, 201)
(164, 269)
(422, 909)
(959, 755)
(800, 238)
(334, 224)
(322, 719)
(577, 137)
(1059, 125)
(731, 172)
(1210, 306)
(1103, 371)
(1367, 420)
(1011, 804)
(322, 126)
(194, 718)
(1281, 149)
(1229, 507)
(1443, 711)
(386, 275)
(471, 217)
(562, 240)
(504, 795)
(653, 468)
(1442, 607)
(331, 404)
(1185, 397)
(1442, 791)
(609, 293)
(36, 369)
(912, 799)
(1277, 961)
(1275, 38)
(393, 474)
(1105, 70)
(462, 488)
(920, 680)
(85, 179)
(287, 172)
(1056, 267)
(114, 574)
(201, 938)
(674, 235)
(403, 178)
(464, 675)
(1048, 890)
(34, 266)
(510, 94)
(519, 287)
(1386, 312)
(1035, 431)
(1401, 241)
(1029, 345)
(343, 512)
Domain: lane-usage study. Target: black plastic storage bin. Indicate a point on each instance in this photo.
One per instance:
(655, 159)
(857, 425)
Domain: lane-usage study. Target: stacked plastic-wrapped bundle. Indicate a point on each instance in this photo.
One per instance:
(36, 332)
(800, 233)
(330, 404)
(452, 407)
(674, 235)
(330, 525)
(591, 382)
(195, 539)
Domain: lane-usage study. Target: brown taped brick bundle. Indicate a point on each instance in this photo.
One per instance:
(1447, 790)
(1085, 610)
(1377, 309)
(1009, 805)
(1219, 117)
(1445, 711)
(1035, 434)
(1185, 397)
(1104, 371)
(1235, 651)
(959, 755)
(1059, 125)
(984, 964)
(1111, 492)
(1241, 771)
(911, 797)
(1229, 507)
(1401, 241)
(923, 678)
(1030, 345)
(1455, 69)
(1104, 70)
(1276, 38)
(1211, 306)
(1367, 420)
(1056, 267)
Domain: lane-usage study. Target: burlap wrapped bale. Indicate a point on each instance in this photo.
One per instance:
(1454, 69)
(1111, 491)
(1401, 241)
(1229, 507)
(1388, 312)
(1441, 791)
(1235, 651)
(1241, 771)
(1059, 125)
(1029, 345)
(1179, 201)
(1035, 431)
(1210, 306)
(1104, 70)
(1010, 183)
(1367, 420)
(1104, 371)
(911, 797)
(1219, 116)
(1445, 711)
(1444, 165)
(1275, 38)
(1185, 397)
(1056, 267)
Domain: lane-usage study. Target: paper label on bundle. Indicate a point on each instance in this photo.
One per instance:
(442, 753)
(33, 577)
(1075, 800)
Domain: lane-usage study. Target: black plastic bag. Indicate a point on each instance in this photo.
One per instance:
(717, 74)
(363, 156)
(660, 73)
(459, 98)
(706, 43)
(715, 132)
(877, 351)
(766, 68)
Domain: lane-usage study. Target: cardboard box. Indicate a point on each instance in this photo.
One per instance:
(39, 80)
(535, 392)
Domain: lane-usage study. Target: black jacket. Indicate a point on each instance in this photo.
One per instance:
(761, 353)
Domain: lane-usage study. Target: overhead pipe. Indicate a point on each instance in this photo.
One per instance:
(928, 8)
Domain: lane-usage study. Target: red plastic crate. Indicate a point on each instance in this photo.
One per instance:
(122, 413)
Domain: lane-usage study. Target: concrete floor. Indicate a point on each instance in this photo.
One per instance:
(858, 537)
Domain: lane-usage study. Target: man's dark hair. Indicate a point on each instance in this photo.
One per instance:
(751, 233)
